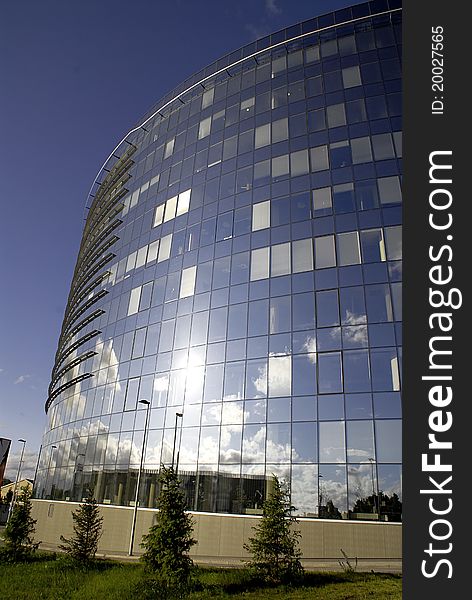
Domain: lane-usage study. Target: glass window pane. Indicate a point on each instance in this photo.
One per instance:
(329, 373)
(332, 447)
(187, 284)
(303, 311)
(280, 376)
(393, 239)
(278, 443)
(171, 207)
(322, 202)
(385, 373)
(256, 378)
(258, 318)
(262, 135)
(261, 215)
(204, 128)
(316, 120)
(319, 158)
(367, 195)
(352, 303)
(164, 248)
(324, 252)
(134, 300)
(237, 321)
(209, 445)
(351, 76)
(280, 260)
(379, 303)
(361, 150)
(389, 441)
(217, 329)
(280, 166)
(234, 382)
(387, 405)
(397, 140)
(183, 202)
(304, 442)
(213, 383)
(383, 146)
(299, 163)
(327, 312)
(279, 314)
(336, 115)
(152, 252)
(278, 410)
(304, 374)
(158, 214)
(373, 247)
(302, 256)
(356, 371)
(169, 148)
(389, 190)
(254, 441)
(279, 130)
(360, 441)
(259, 264)
(344, 199)
(348, 250)
(356, 112)
(331, 407)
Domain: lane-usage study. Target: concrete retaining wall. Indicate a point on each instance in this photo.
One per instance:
(221, 536)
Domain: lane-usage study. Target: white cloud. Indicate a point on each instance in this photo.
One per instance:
(28, 466)
(21, 379)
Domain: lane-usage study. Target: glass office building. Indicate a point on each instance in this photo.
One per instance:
(240, 271)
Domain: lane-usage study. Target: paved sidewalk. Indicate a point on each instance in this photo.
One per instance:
(311, 564)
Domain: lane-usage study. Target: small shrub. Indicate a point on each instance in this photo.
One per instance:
(274, 548)
(346, 564)
(82, 547)
(169, 540)
(19, 532)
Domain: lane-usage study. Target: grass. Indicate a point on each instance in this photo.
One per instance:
(49, 579)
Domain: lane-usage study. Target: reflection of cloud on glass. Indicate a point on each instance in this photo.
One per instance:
(355, 335)
(254, 447)
(260, 383)
(359, 455)
(353, 319)
(161, 383)
(310, 346)
(230, 444)
(360, 482)
(232, 413)
(305, 489)
(280, 374)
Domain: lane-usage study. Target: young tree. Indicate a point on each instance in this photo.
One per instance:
(19, 532)
(274, 548)
(169, 540)
(82, 547)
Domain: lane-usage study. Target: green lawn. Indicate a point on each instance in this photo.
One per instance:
(55, 580)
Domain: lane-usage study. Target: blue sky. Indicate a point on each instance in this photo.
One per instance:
(76, 76)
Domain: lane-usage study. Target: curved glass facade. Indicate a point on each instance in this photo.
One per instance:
(240, 270)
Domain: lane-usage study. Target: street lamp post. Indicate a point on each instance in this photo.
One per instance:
(320, 494)
(37, 466)
(12, 503)
(49, 468)
(81, 479)
(136, 497)
(177, 415)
